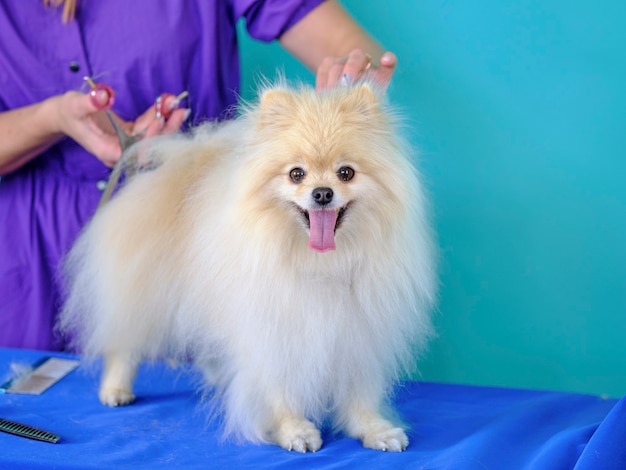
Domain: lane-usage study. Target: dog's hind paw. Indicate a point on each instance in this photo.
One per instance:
(115, 397)
(299, 435)
(392, 440)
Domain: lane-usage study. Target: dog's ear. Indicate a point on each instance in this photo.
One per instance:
(274, 105)
(366, 93)
(363, 99)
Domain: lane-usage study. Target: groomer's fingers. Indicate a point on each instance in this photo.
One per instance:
(176, 120)
(356, 64)
(153, 128)
(81, 119)
(384, 73)
(169, 126)
(147, 120)
(323, 71)
(156, 118)
(335, 74)
(348, 69)
(76, 105)
(162, 127)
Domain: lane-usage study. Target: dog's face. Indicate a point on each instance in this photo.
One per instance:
(323, 158)
(322, 195)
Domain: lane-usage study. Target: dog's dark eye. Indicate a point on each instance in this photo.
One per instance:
(345, 173)
(297, 175)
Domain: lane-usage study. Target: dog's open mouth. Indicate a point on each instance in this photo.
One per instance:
(322, 225)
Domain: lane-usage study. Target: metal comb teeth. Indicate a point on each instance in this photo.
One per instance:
(27, 431)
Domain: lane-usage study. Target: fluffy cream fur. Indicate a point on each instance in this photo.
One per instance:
(207, 257)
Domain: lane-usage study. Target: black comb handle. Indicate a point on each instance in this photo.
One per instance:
(27, 431)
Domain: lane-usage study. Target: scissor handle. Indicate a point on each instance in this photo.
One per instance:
(159, 104)
(99, 91)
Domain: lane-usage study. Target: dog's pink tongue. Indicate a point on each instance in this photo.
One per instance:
(322, 229)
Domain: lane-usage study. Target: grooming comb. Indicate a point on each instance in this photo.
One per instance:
(23, 430)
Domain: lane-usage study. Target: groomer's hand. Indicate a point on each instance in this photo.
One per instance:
(357, 64)
(81, 118)
(165, 116)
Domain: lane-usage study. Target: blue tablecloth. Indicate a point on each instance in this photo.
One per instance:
(451, 426)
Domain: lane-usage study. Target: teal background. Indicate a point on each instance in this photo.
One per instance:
(519, 110)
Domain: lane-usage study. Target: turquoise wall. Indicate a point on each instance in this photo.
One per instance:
(519, 109)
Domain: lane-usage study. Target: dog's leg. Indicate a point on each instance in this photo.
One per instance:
(117, 379)
(293, 432)
(375, 431)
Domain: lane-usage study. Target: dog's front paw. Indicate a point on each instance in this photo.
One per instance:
(392, 440)
(298, 434)
(115, 396)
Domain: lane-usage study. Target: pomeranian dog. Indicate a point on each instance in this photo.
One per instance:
(286, 253)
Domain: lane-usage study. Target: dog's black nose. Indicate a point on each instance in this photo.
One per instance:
(322, 196)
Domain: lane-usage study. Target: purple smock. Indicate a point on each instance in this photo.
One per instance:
(141, 48)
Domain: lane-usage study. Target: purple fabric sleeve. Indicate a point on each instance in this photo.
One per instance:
(268, 20)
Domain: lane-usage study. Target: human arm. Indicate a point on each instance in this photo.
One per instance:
(332, 44)
(28, 131)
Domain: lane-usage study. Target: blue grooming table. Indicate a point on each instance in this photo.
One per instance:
(450, 426)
